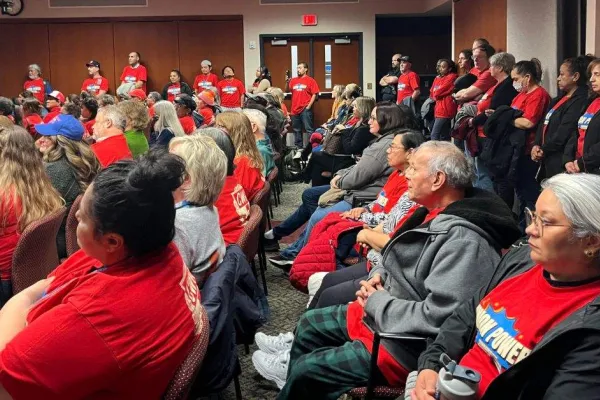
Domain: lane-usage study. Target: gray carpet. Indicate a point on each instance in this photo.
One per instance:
(287, 304)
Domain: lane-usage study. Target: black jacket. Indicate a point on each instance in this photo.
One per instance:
(565, 364)
(590, 162)
(503, 96)
(356, 139)
(185, 88)
(505, 143)
(559, 129)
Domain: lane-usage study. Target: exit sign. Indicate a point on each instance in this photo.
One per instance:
(309, 20)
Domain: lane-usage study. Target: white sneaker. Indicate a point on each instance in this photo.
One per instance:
(269, 234)
(272, 366)
(298, 155)
(274, 344)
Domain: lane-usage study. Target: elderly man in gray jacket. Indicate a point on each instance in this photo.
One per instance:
(442, 254)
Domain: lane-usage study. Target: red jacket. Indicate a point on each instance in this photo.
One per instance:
(319, 253)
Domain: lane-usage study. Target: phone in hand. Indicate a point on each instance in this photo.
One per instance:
(287, 74)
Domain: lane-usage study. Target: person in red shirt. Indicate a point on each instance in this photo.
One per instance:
(89, 110)
(54, 102)
(231, 90)
(205, 102)
(83, 332)
(445, 106)
(233, 205)
(304, 94)
(532, 334)
(96, 84)
(151, 100)
(134, 73)
(206, 78)
(409, 83)
(482, 51)
(36, 84)
(111, 144)
(138, 95)
(32, 110)
(185, 105)
(175, 87)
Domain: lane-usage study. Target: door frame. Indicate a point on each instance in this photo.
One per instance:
(283, 36)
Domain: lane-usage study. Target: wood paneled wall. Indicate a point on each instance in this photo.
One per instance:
(62, 49)
(479, 19)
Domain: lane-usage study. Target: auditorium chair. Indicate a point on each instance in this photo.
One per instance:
(71, 227)
(273, 179)
(36, 254)
(263, 200)
(182, 382)
(249, 240)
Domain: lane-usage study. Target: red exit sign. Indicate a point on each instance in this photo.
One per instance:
(309, 20)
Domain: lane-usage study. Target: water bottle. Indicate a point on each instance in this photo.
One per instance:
(456, 382)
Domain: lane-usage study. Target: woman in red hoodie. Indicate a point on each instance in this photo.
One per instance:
(445, 106)
(32, 110)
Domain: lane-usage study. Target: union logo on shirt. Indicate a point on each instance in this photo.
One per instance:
(174, 90)
(548, 116)
(93, 88)
(299, 87)
(190, 292)
(130, 79)
(230, 89)
(584, 121)
(34, 89)
(401, 86)
(204, 84)
(241, 203)
(498, 337)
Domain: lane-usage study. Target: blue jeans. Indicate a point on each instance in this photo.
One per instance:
(320, 213)
(441, 129)
(302, 120)
(483, 181)
(310, 202)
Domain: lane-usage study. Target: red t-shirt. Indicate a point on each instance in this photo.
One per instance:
(391, 369)
(111, 150)
(485, 80)
(29, 122)
(208, 115)
(231, 92)
(285, 110)
(188, 125)
(52, 113)
(441, 92)
(94, 336)
(203, 82)
(251, 178)
(134, 75)
(234, 210)
(407, 84)
(302, 88)
(9, 234)
(556, 106)
(151, 111)
(395, 187)
(95, 85)
(89, 126)
(509, 327)
(584, 122)
(173, 91)
(484, 104)
(533, 106)
(37, 87)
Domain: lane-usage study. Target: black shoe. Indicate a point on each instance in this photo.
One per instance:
(271, 245)
(281, 262)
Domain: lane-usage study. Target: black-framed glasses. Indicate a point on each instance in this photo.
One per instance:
(531, 217)
(393, 147)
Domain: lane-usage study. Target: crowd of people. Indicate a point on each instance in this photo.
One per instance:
(403, 231)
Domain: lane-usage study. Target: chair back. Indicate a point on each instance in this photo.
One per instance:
(36, 254)
(71, 227)
(248, 240)
(272, 177)
(182, 382)
(262, 199)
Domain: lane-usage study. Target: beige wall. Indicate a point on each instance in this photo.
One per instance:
(532, 32)
(332, 18)
(592, 34)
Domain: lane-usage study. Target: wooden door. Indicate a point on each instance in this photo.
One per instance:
(280, 58)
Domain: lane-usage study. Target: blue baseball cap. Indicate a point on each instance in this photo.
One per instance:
(64, 125)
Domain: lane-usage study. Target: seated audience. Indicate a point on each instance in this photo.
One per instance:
(89, 110)
(275, 124)
(258, 121)
(364, 179)
(233, 205)
(88, 314)
(136, 121)
(248, 161)
(262, 81)
(185, 105)
(111, 143)
(54, 102)
(231, 90)
(582, 152)
(32, 110)
(166, 125)
(549, 350)
(205, 101)
(5, 122)
(36, 84)
(280, 97)
(26, 195)
(175, 87)
(72, 109)
(151, 100)
(426, 273)
(206, 78)
(561, 120)
(197, 233)
(69, 162)
(137, 95)
(445, 106)
(105, 100)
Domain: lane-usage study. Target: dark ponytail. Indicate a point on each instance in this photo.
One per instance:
(532, 68)
(134, 199)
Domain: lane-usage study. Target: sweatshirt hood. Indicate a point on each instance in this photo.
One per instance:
(488, 212)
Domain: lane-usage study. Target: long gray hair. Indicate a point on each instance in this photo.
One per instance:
(167, 118)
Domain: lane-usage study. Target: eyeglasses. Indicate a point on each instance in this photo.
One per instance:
(393, 147)
(532, 218)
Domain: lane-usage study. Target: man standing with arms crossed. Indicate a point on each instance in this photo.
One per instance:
(388, 83)
(304, 94)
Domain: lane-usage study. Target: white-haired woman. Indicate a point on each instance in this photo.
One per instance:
(258, 120)
(166, 125)
(552, 349)
(36, 84)
(197, 233)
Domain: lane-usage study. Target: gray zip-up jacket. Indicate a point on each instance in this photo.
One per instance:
(367, 177)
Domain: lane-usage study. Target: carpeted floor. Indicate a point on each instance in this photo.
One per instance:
(287, 304)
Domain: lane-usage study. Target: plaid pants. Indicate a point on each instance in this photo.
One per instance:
(324, 362)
